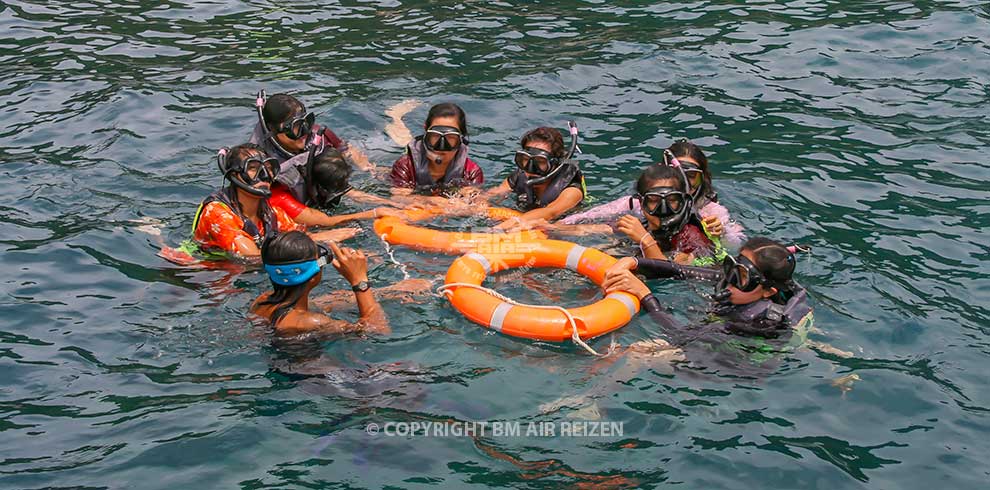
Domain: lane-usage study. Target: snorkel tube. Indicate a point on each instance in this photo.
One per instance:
(572, 127)
(259, 103)
(308, 177)
(222, 163)
(574, 140)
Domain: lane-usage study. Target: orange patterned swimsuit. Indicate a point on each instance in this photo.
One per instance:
(219, 226)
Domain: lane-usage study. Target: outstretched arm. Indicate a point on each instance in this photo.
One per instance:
(663, 269)
(396, 129)
(567, 199)
(627, 282)
(365, 198)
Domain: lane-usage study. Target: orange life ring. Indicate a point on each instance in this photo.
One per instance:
(611, 312)
(419, 214)
(396, 232)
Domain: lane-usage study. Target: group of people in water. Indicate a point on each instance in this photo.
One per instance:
(282, 187)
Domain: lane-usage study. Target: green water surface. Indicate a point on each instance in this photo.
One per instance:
(859, 128)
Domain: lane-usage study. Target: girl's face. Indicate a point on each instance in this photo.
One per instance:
(692, 170)
(738, 297)
(539, 145)
(653, 222)
(251, 173)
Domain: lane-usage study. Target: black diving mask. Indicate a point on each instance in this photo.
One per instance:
(536, 161)
(300, 126)
(250, 172)
(257, 169)
(443, 138)
(741, 273)
(663, 202)
(328, 200)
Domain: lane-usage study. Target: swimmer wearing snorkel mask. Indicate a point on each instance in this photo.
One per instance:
(236, 218)
(436, 163)
(546, 180)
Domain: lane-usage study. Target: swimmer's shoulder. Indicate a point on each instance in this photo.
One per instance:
(298, 322)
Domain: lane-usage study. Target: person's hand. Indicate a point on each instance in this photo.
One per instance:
(626, 281)
(631, 226)
(513, 224)
(714, 226)
(334, 235)
(458, 207)
(402, 108)
(536, 224)
(625, 264)
(684, 259)
(469, 194)
(352, 264)
(386, 211)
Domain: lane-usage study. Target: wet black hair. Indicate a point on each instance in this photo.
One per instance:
(775, 262)
(330, 170)
(286, 247)
(279, 108)
(448, 109)
(549, 136)
(685, 148)
(659, 171)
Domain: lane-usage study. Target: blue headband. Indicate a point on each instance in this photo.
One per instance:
(295, 273)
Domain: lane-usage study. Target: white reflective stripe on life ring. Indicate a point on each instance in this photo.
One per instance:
(481, 260)
(574, 257)
(626, 300)
(498, 316)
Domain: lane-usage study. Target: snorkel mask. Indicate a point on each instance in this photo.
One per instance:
(673, 206)
(536, 161)
(443, 138)
(297, 272)
(300, 125)
(329, 200)
(249, 172)
(695, 178)
(742, 274)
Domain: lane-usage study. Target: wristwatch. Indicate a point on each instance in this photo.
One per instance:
(361, 287)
